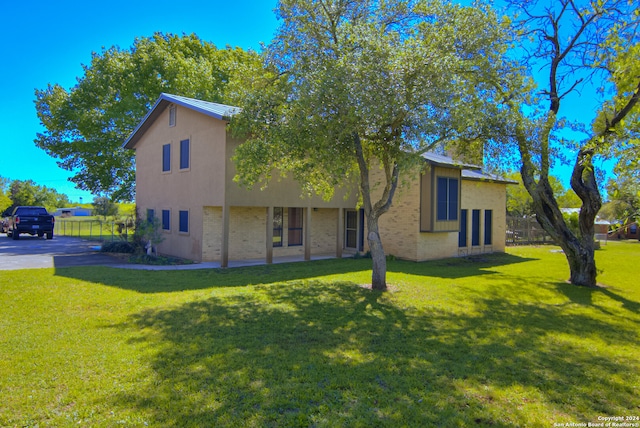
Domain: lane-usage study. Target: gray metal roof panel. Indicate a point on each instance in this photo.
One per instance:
(219, 111)
(474, 174)
(443, 160)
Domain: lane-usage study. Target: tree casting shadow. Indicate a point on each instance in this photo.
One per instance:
(312, 353)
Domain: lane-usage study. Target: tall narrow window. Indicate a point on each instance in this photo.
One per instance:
(277, 227)
(184, 154)
(488, 220)
(475, 228)
(295, 226)
(166, 158)
(166, 220)
(184, 221)
(351, 229)
(172, 116)
(462, 236)
(151, 213)
(447, 199)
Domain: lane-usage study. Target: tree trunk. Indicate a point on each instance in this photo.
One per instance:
(579, 250)
(582, 265)
(379, 269)
(373, 212)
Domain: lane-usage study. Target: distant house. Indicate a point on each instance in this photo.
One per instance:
(600, 225)
(184, 177)
(628, 231)
(73, 212)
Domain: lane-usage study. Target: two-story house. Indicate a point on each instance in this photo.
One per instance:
(184, 177)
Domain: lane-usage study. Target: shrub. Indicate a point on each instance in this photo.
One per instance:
(119, 247)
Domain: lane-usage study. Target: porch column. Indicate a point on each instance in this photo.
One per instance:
(307, 234)
(269, 235)
(224, 260)
(340, 233)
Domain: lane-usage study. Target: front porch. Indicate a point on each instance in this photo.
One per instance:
(264, 235)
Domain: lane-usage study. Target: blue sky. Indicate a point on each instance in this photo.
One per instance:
(48, 41)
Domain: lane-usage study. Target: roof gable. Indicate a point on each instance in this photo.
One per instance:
(215, 110)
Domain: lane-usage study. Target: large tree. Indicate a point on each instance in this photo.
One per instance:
(574, 42)
(27, 192)
(86, 124)
(5, 200)
(359, 89)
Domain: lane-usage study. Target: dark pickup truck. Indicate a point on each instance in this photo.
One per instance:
(31, 220)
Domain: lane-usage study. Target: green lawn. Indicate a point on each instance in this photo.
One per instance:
(498, 341)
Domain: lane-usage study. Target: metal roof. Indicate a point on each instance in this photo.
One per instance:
(468, 174)
(215, 110)
(442, 160)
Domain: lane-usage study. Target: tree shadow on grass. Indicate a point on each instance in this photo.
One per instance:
(168, 281)
(314, 353)
(585, 296)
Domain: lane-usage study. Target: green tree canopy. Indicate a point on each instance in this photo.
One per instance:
(29, 193)
(5, 200)
(86, 125)
(520, 202)
(624, 198)
(357, 86)
(104, 206)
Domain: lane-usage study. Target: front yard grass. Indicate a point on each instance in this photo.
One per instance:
(497, 340)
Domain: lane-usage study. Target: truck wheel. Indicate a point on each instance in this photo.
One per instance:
(15, 235)
(49, 235)
(40, 234)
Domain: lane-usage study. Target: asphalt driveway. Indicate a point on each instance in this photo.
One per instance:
(32, 252)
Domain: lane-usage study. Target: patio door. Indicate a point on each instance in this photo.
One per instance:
(354, 229)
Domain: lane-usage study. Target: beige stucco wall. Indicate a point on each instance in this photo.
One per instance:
(202, 184)
(279, 192)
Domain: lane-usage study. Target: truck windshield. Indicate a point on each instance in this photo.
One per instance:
(31, 211)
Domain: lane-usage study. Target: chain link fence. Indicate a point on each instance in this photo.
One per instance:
(526, 231)
(96, 230)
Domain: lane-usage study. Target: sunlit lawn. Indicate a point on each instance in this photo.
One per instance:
(499, 340)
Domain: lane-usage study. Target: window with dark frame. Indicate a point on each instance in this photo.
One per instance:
(184, 154)
(172, 116)
(447, 199)
(166, 220)
(295, 227)
(488, 220)
(475, 228)
(351, 229)
(166, 158)
(277, 226)
(462, 235)
(184, 221)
